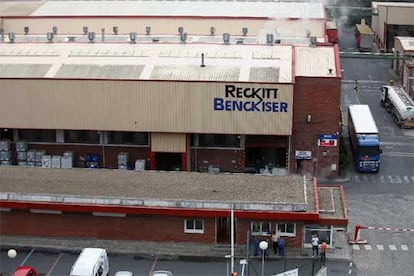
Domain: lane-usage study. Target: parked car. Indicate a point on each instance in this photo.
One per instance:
(162, 273)
(25, 271)
(124, 273)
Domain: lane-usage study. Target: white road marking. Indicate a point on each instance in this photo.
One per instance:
(404, 247)
(356, 247)
(394, 179)
(380, 247)
(406, 179)
(392, 247)
(368, 247)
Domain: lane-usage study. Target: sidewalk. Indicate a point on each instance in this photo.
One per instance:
(164, 250)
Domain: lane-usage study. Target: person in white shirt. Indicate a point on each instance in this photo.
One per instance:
(315, 245)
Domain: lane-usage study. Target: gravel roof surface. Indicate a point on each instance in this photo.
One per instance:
(330, 202)
(156, 185)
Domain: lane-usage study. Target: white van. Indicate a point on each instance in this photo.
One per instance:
(91, 262)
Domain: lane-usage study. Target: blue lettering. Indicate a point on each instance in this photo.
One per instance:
(283, 107)
(268, 106)
(228, 106)
(218, 104)
(238, 105)
(275, 106)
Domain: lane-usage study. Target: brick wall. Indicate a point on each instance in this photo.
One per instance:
(321, 98)
(229, 160)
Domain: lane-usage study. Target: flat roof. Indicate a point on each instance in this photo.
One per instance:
(197, 8)
(364, 29)
(392, 4)
(148, 61)
(315, 61)
(158, 189)
(407, 43)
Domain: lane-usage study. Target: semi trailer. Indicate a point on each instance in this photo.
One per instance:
(397, 102)
(364, 137)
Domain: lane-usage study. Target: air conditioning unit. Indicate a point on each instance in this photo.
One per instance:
(91, 37)
(26, 30)
(180, 30)
(226, 38)
(244, 31)
(55, 30)
(115, 29)
(269, 39)
(132, 37)
(212, 30)
(85, 30)
(50, 36)
(12, 36)
(148, 30)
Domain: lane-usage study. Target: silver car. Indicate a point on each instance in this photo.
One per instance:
(124, 273)
(162, 273)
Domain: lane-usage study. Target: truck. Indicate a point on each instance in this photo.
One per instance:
(91, 262)
(364, 37)
(397, 102)
(364, 138)
(332, 32)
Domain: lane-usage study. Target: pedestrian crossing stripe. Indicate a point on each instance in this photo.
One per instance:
(380, 247)
(394, 179)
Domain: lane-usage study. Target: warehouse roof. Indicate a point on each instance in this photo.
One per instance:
(213, 8)
(407, 43)
(247, 63)
(158, 189)
(166, 61)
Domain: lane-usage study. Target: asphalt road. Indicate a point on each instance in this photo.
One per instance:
(386, 198)
(59, 264)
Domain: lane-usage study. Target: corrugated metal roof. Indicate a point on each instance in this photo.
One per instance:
(407, 43)
(315, 61)
(255, 63)
(183, 8)
(23, 70)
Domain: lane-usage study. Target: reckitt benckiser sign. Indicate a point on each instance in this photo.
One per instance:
(250, 99)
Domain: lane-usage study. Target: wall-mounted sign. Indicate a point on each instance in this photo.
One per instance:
(327, 140)
(303, 154)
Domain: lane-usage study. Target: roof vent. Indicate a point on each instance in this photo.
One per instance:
(330, 70)
(55, 30)
(313, 40)
(277, 40)
(103, 34)
(12, 36)
(226, 38)
(244, 31)
(50, 36)
(202, 60)
(91, 37)
(308, 33)
(180, 30)
(115, 30)
(212, 30)
(183, 37)
(85, 30)
(269, 39)
(2, 35)
(26, 30)
(148, 30)
(132, 37)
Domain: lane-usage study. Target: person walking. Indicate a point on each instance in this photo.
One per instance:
(315, 245)
(281, 246)
(275, 242)
(324, 247)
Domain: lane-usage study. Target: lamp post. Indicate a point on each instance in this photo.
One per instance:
(263, 246)
(12, 253)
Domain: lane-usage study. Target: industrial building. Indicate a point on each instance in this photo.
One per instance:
(391, 19)
(202, 88)
(178, 101)
(404, 46)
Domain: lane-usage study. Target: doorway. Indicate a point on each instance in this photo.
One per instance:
(168, 161)
(223, 230)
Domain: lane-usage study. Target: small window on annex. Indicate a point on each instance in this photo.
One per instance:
(219, 140)
(194, 226)
(286, 229)
(324, 233)
(260, 227)
(82, 136)
(37, 135)
(127, 138)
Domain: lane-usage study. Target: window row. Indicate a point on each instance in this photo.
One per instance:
(267, 227)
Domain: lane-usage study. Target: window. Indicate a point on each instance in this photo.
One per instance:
(286, 229)
(219, 140)
(324, 233)
(194, 226)
(128, 138)
(37, 135)
(260, 228)
(81, 136)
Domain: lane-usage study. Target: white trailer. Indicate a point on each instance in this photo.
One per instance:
(91, 262)
(397, 102)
